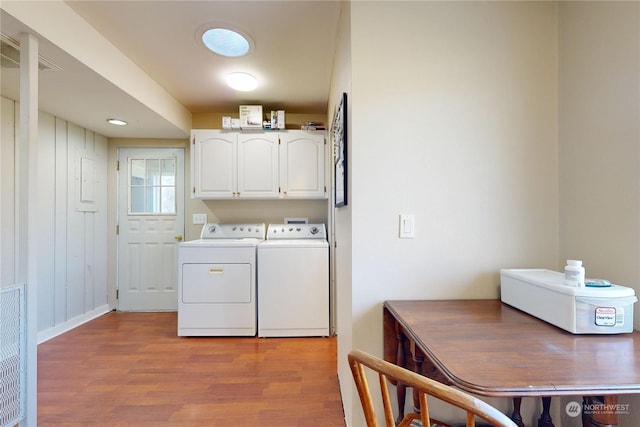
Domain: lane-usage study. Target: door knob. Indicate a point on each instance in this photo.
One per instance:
(178, 238)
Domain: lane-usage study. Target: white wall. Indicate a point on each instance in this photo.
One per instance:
(600, 138)
(599, 110)
(342, 252)
(72, 235)
(73, 274)
(453, 119)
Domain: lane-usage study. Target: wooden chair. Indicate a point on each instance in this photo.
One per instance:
(424, 386)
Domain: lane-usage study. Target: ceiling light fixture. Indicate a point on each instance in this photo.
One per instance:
(226, 42)
(242, 81)
(117, 122)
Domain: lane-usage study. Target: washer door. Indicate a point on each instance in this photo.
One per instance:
(216, 283)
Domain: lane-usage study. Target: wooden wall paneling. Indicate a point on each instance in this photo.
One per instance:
(89, 261)
(100, 250)
(75, 226)
(72, 243)
(89, 223)
(61, 178)
(45, 228)
(7, 192)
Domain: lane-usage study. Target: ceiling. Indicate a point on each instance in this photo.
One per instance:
(294, 43)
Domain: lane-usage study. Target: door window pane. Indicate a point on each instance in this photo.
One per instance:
(152, 186)
(153, 171)
(168, 198)
(137, 200)
(137, 172)
(168, 172)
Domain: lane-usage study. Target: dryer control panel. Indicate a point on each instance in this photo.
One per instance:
(232, 231)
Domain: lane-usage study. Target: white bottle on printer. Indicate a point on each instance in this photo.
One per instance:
(574, 273)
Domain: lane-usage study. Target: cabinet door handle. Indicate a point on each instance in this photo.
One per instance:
(216, 270)
(178, 238)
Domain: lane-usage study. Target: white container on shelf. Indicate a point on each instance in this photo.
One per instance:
(583, 310)
(574, 273)
(251, 116)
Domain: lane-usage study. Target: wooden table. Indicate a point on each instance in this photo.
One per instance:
(488, 348)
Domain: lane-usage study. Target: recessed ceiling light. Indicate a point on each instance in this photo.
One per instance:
(117, 122)
(242, 81)
(226, 42)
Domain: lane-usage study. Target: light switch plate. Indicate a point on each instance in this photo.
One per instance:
(407, 226)
(199, 218)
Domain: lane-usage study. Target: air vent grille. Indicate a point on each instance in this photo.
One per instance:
(10, 55)
(13, 354)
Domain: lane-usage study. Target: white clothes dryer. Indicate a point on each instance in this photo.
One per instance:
(293, 281)
(217, 281)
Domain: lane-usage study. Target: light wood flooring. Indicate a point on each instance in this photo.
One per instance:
(131, 369)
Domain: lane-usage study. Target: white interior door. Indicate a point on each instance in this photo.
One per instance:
(151, 224)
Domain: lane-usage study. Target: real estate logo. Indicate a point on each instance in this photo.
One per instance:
(606, 408)
(573, 409)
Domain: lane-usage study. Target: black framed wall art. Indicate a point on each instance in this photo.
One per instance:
(339, 142)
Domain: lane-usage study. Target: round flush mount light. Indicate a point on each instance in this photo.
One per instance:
(226, 42)
(243, 82)
(117, 122)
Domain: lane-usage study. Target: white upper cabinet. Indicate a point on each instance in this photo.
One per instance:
(213, 164)
(257, 165)
(302, 164)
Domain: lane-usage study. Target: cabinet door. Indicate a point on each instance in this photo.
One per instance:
(258, 165)
(302, 167)
(214, 158)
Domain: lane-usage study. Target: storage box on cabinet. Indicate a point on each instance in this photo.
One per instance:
(258, 164)
(543, 294)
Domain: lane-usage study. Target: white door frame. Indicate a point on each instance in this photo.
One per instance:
(146, 237)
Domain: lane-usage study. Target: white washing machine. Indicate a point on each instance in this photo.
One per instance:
(217, 281)
(293, 281)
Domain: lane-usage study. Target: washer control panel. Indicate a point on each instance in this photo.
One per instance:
(232, 231)
(296, 231)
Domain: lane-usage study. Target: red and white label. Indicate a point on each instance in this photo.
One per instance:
(605, 316)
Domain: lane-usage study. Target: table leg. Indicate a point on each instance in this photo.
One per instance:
(516, 417)
(599, 418)
(401, 389)
(545, 416)
(590, 422)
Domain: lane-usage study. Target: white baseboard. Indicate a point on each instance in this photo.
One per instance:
(61, 328)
